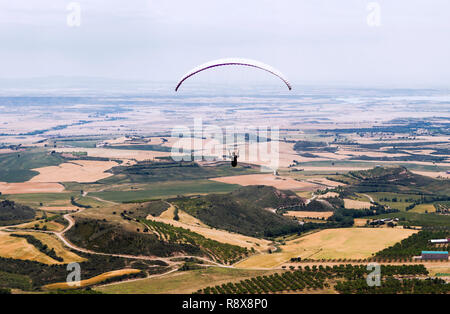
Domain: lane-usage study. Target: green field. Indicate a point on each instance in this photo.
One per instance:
(149, 172)
(183, 281)
(35, 199)
(166, 190)
(417, 219)
(16, 167)
(89, 201)
(79, 143)
(402, 200)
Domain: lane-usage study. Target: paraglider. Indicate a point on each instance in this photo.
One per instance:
(234, 61)
(234, 157)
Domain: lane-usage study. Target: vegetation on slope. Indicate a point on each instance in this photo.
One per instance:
(249, 210)
(19, 272)
(221, 252)
(14, 281)
(40, 246)
(396, 179)
(105, 237)
(158, 239)
(13, 213)
(415, 244)
(154, 208)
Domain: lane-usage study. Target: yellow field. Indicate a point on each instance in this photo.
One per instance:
(329, 244)
(93, 280)
(443, 267)
(329, 194)
(30, 187)
(359, 222)
(184, 217)
(302, 214)
(352, 204)
(59, 208)
(51, 225)
(60, 250)
(75, 171)
(422, 208)
(19, 248)
(269, 180)
(441, 174)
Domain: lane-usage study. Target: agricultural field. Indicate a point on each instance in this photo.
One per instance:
(183, 281)
(18, 166)
(78, 171)
(37, 200)
(306, 214)
(19, 248)
(30, 187)
(42, 225)
(269, 180)
(424, 208)
(394, 200)
(239, 177)
(342, 279)
(191, 223)
(165, 190)
(353, 243)
(353, 204)
(418, 219)
(91, 281)
(218, 251)
(165, 226)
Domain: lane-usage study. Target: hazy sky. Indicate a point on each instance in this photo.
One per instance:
(311, 41)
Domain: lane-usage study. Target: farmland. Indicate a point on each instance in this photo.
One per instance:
(183, 282)
(19, 248)
(165, 190)
(93, 280)
(18, 166)
(143, 222)
(352, 243)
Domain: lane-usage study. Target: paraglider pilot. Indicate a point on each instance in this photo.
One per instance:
(234, 158)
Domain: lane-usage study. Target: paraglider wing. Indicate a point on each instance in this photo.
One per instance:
(234, 61)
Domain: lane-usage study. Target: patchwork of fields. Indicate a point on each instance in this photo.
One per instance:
(177, 227)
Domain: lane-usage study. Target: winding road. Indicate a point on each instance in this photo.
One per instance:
(71, 221)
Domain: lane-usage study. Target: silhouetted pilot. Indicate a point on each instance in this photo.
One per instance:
(234, 159)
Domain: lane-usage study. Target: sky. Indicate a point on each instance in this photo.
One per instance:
(313, 42)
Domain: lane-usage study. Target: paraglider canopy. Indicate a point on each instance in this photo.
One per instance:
(234, 61)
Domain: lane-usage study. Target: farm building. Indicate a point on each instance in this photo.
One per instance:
(435, 255)
(440, 241)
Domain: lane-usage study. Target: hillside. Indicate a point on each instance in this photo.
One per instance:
(249, 210)
(13, 213)
(110, 238)
(396, 179)
(158, 239)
